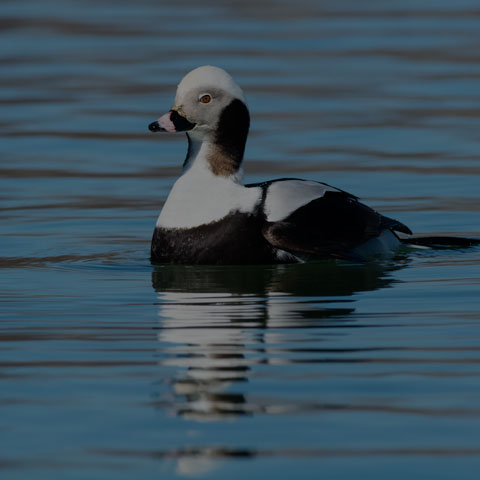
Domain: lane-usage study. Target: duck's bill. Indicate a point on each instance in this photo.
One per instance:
(171, 122)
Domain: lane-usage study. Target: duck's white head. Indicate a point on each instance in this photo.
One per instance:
(211, 108)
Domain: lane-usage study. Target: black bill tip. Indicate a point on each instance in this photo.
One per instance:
(155, 127)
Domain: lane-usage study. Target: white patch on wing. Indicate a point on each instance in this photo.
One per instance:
(199, 197)
(284, 197)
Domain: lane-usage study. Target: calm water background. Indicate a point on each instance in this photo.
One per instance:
(111, 368)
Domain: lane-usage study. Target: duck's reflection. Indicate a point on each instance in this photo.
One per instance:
(218, 322)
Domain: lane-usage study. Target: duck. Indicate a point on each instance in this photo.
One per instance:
(211, 217)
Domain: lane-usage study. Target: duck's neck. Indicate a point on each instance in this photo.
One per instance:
(205, 158)
(221, 151)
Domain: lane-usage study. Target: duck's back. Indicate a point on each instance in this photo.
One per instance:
(279, 221)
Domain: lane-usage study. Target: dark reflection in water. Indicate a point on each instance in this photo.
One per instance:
(218, 317)
(308, 279)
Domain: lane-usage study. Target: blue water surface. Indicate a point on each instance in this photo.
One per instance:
(114, 368)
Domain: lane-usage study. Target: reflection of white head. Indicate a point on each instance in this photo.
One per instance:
(213, 325)
(197, 465)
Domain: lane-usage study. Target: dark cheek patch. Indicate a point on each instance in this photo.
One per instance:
(232, 130)
(230, 139)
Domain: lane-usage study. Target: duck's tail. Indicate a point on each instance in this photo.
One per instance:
(441, 242)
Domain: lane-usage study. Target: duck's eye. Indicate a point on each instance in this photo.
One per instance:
(205, 98)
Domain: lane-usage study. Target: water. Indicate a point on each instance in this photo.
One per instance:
(113, 368)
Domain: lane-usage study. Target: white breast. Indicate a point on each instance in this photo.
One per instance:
(286, 196)
(198, 197)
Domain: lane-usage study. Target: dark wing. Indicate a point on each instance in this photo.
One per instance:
(329, 226)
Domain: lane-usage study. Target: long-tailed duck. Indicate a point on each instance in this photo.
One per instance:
(210, 217)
